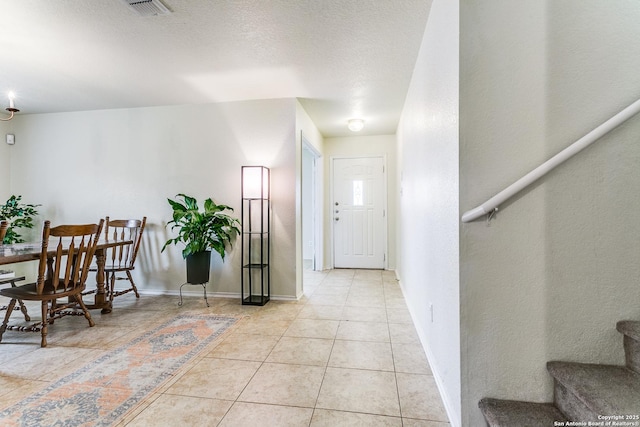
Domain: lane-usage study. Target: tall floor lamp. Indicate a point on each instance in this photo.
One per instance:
(256, 216)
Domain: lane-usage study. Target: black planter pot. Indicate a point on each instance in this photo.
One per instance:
(198, 267)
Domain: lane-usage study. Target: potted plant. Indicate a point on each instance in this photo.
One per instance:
(200, 231)
(19, 215)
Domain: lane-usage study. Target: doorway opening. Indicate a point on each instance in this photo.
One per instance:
(311, 204)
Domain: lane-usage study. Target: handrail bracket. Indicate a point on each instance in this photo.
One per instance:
(490, 216)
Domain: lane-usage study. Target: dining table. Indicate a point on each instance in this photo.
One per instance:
(24, 252)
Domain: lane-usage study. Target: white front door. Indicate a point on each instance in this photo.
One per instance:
(358, 212)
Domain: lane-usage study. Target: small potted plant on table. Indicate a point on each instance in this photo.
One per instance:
(18, 215)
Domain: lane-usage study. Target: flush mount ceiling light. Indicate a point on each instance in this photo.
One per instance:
(355, 125)
(11, 108)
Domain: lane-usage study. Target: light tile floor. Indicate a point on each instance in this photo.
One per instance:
(347, 354)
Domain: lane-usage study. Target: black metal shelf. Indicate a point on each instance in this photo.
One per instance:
(255, 300)
(254, 265)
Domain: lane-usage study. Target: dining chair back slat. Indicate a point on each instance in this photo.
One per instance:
(125, 229)
(75, 247)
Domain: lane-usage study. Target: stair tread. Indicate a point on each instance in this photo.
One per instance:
(604, 389)
(630, 328)
(512, 413)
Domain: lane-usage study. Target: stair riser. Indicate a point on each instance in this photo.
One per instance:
(570, 405)
(632, 353)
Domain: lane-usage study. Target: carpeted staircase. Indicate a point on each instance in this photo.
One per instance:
(583, 393)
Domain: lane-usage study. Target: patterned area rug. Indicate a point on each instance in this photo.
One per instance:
(104, 390)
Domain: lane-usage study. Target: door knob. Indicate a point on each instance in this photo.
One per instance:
(336, 203)
(337, 219)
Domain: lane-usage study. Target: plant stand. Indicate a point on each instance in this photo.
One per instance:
(198, 265)
(204, 287)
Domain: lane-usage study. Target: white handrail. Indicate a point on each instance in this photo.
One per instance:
(492, 204)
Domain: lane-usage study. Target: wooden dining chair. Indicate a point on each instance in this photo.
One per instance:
(121, 260)
(62, 273)
(4, 226)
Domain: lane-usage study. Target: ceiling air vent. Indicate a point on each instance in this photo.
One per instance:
(148, 7)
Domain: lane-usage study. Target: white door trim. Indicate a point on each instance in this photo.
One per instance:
(317, 202)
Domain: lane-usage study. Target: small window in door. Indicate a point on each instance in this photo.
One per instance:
(357, 193)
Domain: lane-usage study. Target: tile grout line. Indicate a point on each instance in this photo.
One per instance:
(252, 376)
(395, 370)
(326, 367)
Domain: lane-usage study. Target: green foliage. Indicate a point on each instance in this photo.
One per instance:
(201, 230)
(19, 215)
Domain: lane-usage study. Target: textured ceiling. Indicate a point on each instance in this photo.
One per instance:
(342, 58)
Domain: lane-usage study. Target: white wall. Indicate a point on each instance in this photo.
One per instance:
(558, 266)
(125, 163)
(380, 145)
(304, 125)
(5, 161)
(428, 212)
(502, 119)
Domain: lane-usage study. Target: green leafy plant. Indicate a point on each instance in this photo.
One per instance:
(19, 215)
(201, 230)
